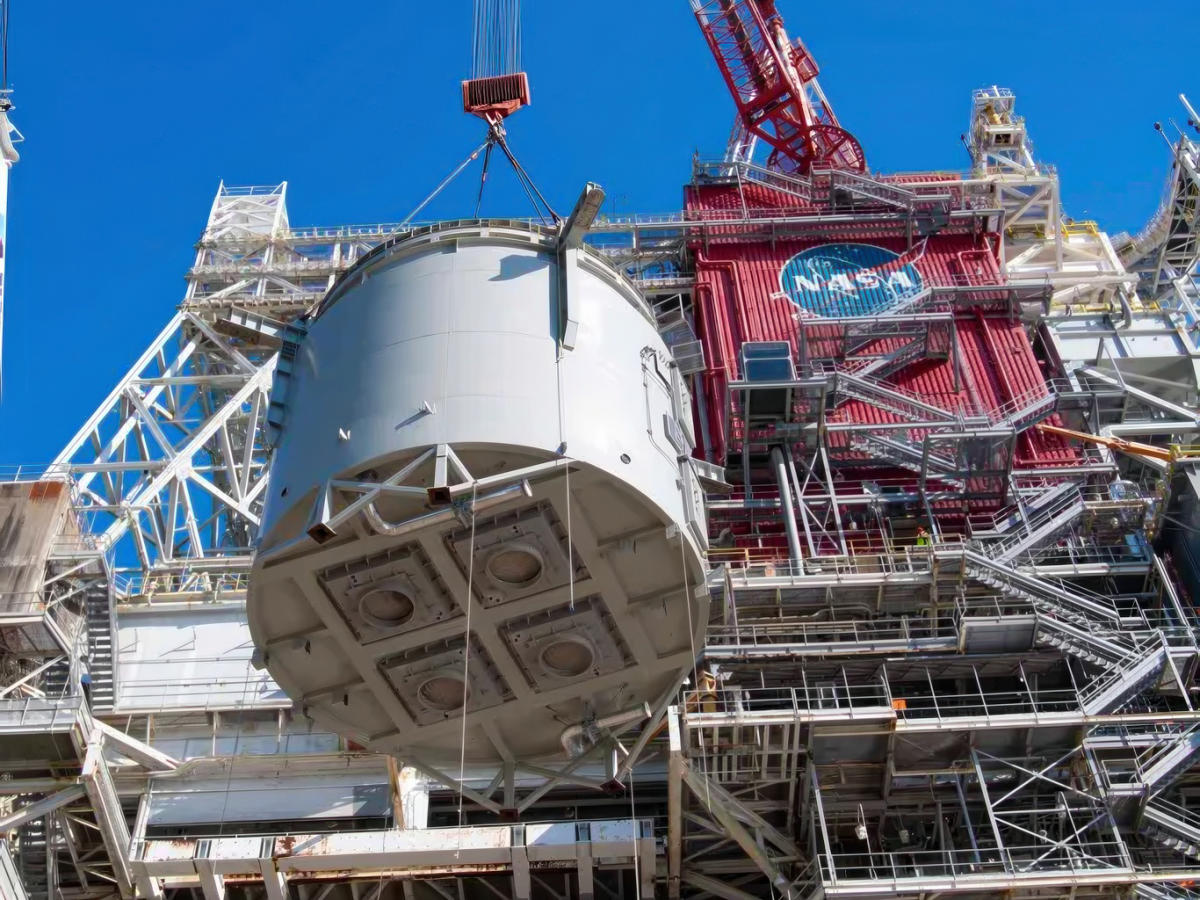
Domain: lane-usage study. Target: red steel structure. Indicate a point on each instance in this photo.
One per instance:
(957, 349)
(773, 80)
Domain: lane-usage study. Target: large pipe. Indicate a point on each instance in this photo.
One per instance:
(572, 735)
(8, 153)
(779, 461)
(445, 514)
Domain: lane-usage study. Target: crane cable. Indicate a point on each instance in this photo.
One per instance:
(4, 4)
(496, 39)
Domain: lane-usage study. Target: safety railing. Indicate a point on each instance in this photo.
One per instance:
(172, 587)
(1043, 522)
(1083, 551)
(907, 701)
(901, 561)
(1031, 404)
(11, 885)
(37, 715)
(1149, 751)
(990, 607)
(142, 693)
(35, 472)
(912, 705)
(804, 699)
(1173, 816)
(801, 633)
(901, 866)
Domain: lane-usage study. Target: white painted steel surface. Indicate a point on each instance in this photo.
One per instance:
(441, 351)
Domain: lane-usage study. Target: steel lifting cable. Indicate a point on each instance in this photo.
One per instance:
(442, 186)
(466, 692)
(4, 4)
(687, 603)
(496, 38)
(527, 183)
(487, 161)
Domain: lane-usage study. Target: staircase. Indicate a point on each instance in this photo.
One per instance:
(1083, 627)
(907, 454)
(56, 680)
(1057, 511)
(101, 662)
(1171, 759)
(1049, 598)
(34, 859)
(1026, 409)
(902, 403)
(889, 363)
(998, 526)
(11, 887)
(1171, 826)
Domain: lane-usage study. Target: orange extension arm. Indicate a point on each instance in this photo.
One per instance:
(1133, 448)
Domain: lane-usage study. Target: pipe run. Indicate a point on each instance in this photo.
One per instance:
(446, 513)
(573, 736)
(779, 461)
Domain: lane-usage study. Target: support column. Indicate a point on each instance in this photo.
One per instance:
(211, 883)
(583, 849)
(785, 503)
(674, 805)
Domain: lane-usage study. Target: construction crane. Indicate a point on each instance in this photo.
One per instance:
(773, 80)
(1132, 448)
(8, 156)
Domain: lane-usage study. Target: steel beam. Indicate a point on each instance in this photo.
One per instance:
(40, 808)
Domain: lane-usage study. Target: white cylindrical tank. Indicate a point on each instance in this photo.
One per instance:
(428, 426)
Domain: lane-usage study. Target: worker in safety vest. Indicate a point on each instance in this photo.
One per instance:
(923, 537)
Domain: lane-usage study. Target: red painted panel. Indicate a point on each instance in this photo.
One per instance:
(739, 297)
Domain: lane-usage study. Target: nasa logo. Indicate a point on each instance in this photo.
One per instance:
(836, 280)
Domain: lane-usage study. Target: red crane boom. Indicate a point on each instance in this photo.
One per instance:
(773, 81)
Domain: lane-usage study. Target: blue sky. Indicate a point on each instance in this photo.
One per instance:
(133, 112)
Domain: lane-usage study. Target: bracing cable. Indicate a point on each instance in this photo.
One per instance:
(527, 182)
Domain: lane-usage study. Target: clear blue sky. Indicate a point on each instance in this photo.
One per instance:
(134, 111)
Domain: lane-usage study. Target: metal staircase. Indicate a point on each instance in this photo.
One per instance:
(35, 861)
(1048, 597)
(897, 449)
(101, 662)
(1126, 666)
(894, 360)
(1172, 826)
(1027, 409)
(1085, 628)
(1001, 525)
(56, 680)
(855, 386)
(11, 887)
(1170, 760)
(1055, 513)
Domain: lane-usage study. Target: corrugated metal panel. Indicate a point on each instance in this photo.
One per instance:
(740, 298)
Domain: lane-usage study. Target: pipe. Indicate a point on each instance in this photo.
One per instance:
(8, 153)
(445, 514)
(570, 738)
(785, 502)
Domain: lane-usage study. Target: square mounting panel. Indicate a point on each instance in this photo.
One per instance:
(556, 647)
(429, 680)
(517, 554)
(388, 593)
